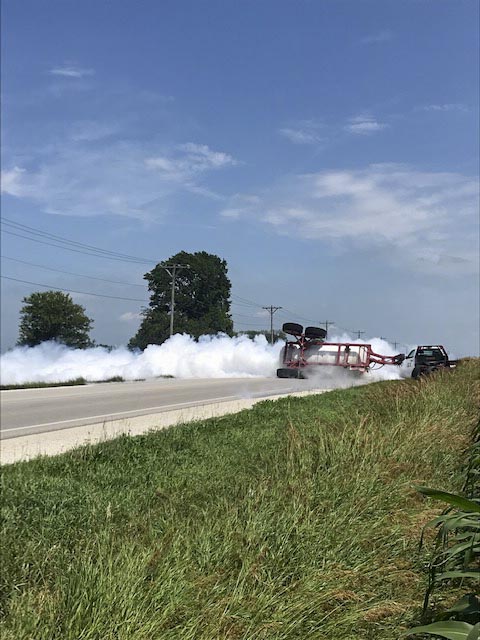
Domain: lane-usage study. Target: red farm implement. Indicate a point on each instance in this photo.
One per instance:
(301, 356)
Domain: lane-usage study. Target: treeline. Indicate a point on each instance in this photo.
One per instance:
(201, 305)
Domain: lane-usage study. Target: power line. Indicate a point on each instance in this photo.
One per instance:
(71, 273)
(244, 307)
(59, 246)
(98, 295)
(60, 239)
(86, 293)
(60, 242)
(246, 301)
(240, 315)
(258, 327)
(294, 314)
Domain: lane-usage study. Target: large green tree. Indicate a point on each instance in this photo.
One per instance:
(202, 299)
(52, 315)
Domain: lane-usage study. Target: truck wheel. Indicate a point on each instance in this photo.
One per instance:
(416, 372)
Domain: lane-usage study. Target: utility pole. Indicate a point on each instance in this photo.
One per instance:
(172, 272)
(359, 334)
(271, 309)
(327, 323)
(394, 343)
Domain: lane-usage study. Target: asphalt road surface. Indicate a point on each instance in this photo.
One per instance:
(29, 411)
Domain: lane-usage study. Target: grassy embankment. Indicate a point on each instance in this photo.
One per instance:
(295, 520)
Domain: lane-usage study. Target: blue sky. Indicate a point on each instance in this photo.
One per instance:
(328, 150)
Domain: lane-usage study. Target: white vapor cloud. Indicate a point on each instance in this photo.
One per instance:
(181, 356)
(70, 71)
(427, 220)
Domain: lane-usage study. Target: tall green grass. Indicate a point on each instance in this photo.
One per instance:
(297, 519)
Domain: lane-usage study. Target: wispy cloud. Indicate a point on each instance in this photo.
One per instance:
(445, 107)
(71, 71)
(304, 132)
(364, 125)
(240, 205)
(90, 131)
(377, 38)
(424, 219)
(113, 178)
(203, 157)
(11, 181)
(130, 316)
(320, 134)
(189, 160)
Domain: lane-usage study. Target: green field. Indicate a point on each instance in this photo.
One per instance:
(294, 520)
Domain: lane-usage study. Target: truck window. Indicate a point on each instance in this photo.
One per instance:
(432, 354)
(411, 354)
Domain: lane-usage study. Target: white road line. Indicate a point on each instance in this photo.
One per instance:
(122, 413)
(91, 390)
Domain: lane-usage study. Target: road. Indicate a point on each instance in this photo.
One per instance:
(32, 411)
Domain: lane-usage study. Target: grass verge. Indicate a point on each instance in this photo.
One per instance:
(41, 385)
(296, 519)
(68, 383)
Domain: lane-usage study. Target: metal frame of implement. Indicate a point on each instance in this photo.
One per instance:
(349, 355)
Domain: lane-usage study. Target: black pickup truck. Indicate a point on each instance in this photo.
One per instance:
(425, 359)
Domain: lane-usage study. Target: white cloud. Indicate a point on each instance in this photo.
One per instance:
(311, 132)
(304, 132)
(130, 316)
(70, 71)
(186, 161)
(200, 155)
(11, 181)
(417, 217)
(113, 178)
(445, 107)
(239, 205)
(377, 38)
(364, 125)
(89, 131)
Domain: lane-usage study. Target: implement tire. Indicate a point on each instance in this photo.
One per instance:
(315, 333)
(292, 328)
(289, 373)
